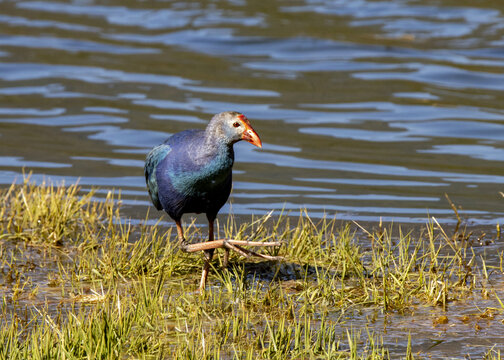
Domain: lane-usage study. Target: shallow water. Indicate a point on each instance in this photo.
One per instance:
(366, 109)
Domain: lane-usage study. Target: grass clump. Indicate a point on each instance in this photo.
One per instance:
(81, 281)
(50, 215)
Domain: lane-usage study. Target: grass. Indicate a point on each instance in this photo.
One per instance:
(81, 282)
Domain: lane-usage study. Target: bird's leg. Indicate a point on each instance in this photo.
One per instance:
(208, 257)
(226, 258)
(180, 233)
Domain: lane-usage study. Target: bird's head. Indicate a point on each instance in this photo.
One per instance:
(235, 127)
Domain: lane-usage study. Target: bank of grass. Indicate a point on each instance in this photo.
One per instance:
(81, 282)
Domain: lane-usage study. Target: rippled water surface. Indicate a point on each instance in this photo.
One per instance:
(367, 109)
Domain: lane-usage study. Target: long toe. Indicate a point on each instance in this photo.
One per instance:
(223, 243)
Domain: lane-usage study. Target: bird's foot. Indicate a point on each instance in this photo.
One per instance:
(236, 246)
(184, 245)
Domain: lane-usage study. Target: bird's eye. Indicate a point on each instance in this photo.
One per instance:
(236, 124)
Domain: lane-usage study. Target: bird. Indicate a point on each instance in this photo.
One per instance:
(191, 172)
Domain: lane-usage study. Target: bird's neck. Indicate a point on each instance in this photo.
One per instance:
(215, 139)
(214, 155)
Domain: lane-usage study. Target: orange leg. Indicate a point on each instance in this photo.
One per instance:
(226, 258)
(208, 258)
(180, 234)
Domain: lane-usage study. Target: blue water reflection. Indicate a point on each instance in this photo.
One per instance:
(367, 109)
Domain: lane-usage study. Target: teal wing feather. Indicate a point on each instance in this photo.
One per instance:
(154, 157)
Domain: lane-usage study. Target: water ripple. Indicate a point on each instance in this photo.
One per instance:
(71, 45)
(365, 108)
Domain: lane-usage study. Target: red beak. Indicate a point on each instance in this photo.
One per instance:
(251, 136)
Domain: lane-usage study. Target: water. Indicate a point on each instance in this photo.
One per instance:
(366, 109)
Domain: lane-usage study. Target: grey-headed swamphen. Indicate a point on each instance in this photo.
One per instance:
(191, 173)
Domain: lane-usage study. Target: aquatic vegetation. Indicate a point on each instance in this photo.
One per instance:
(81, 281)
